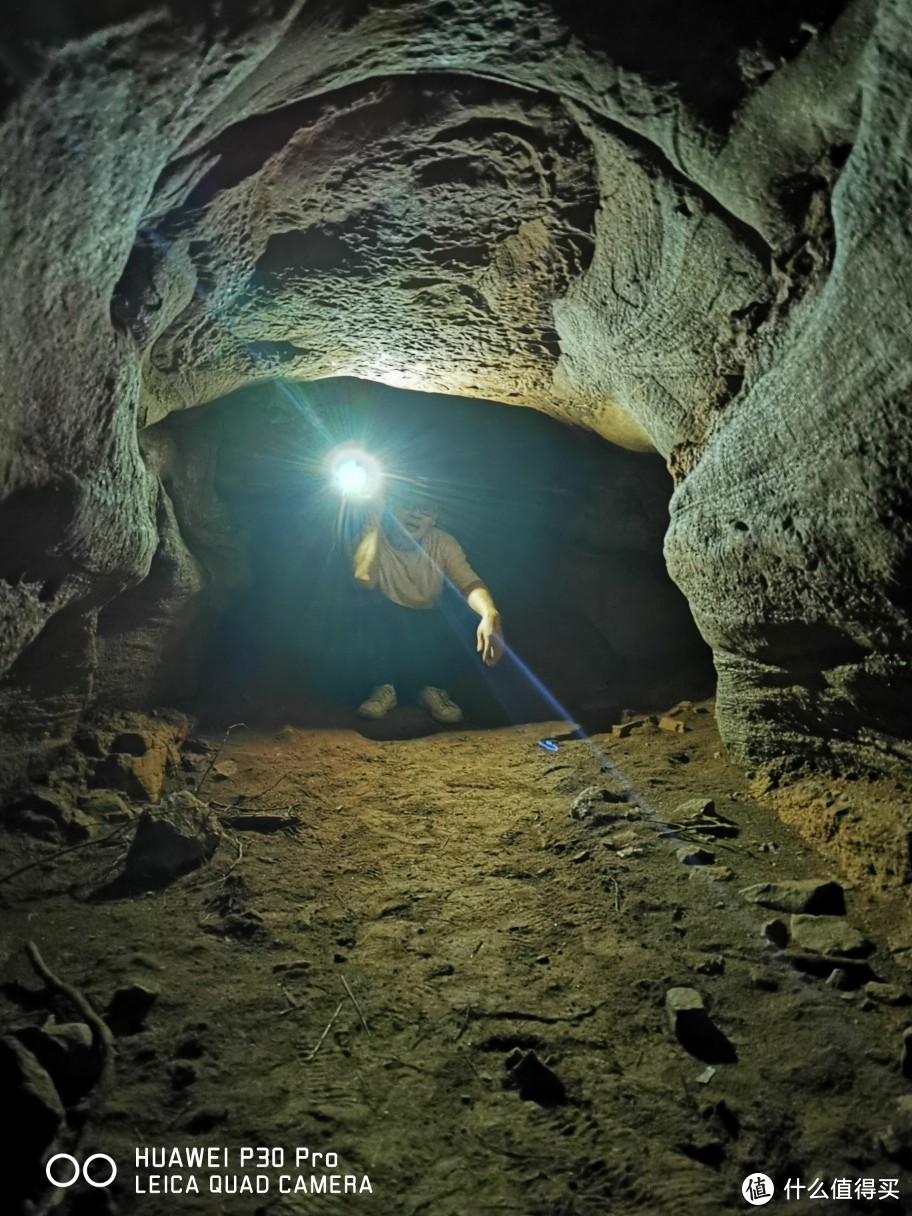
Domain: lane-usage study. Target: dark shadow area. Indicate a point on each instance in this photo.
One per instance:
(565, 529)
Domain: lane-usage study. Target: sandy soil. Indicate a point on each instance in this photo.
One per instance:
(370, 980)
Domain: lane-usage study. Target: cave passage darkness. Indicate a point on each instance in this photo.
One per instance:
(631, 285)
(567, 530)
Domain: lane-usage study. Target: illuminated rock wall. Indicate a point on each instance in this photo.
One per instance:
(685, 229)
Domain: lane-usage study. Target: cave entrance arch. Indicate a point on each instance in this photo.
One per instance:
(566, 529)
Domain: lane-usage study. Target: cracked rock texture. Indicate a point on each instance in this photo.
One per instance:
(686, 229)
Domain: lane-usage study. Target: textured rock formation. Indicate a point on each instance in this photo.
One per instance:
(686, 229)
(791, 536)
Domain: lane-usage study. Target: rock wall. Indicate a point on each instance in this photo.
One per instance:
(684, 229)
(791, 536)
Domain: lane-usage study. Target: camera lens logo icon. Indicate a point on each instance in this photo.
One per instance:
(78, 1171)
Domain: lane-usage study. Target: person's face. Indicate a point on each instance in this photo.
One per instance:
(417, 516)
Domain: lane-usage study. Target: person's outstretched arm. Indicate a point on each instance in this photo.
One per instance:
(489, 634)
(366, 560)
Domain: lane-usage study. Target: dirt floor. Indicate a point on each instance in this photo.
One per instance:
(415, 955)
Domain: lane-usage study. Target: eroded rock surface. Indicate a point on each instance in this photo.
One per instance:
(695, 242)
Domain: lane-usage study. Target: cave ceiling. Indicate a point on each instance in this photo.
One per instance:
(472, 199)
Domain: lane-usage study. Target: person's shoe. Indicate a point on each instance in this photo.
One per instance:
(379, 703)
(440, 705)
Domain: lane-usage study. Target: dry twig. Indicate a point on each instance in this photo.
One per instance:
(239, 845)
(218, 752)
(71, 848)
(617, 893)
(268, 790)
(102, 1041)
(354, 1001)
(329, 1025)
(519, 1015)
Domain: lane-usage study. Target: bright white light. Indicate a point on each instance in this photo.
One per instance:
(352, 477)
(355, 473)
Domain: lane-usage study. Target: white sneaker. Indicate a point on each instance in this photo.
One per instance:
(439, 704)
(379, 703)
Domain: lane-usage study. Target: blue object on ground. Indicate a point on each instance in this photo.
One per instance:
(548, 744)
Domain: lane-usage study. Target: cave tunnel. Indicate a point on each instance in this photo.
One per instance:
(531, 832)
(569, 528)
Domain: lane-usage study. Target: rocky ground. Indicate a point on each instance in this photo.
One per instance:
(488, 975)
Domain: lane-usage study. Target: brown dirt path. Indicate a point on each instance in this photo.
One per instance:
(441, 912)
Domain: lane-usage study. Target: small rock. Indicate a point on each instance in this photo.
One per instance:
(67, 1052)
(706, 964)
(674, 726)
(243, 925)
(129, 1007)
(694, 1029)
(700, 815)
(190, 1047)
(31, 812)
(224, 770)
(582, 855)
(535, 1081)
(106, 805)
(762, 980)
(171, 839)
(441, 970)
(34, 1115)
(776, 931)
(719, 873)
(839, 978)
(897, 1139)
(591, 805)
(198, 747)
(798, 895)
(905, 1059)
(42, 827)
(695, 857)
(886, 994)
(631, 850)
(694, 808)
(635, 726)
(821, 965)
(828, 935)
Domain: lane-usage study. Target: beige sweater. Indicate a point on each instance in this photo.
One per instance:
(414, 577)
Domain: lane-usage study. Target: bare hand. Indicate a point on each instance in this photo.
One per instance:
(489, 639)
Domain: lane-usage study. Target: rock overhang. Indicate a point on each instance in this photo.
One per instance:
(625, 223)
